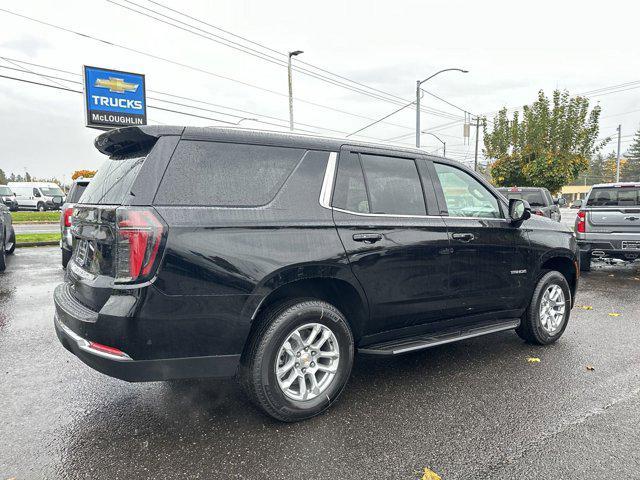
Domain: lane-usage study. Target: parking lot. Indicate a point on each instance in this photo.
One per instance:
(475, 409)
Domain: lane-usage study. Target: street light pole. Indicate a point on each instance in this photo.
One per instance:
(291, 54)
(444, 144)
(418, 85)
(618, 155)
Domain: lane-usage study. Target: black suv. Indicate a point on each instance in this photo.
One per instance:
(211, 252)
(540, 200)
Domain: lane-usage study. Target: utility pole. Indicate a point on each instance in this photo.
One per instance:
(291, 54)
(475, 162)
(618, 155)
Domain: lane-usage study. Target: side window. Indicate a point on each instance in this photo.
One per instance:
(393, 185)
(350, 192)
(465, 196)
(226, 174)
(36, 193)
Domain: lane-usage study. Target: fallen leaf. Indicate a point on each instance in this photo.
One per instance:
(586, 307)
(614, 314)
(636, 278)
(611, 275)
(533, 360)
(590, 368)
(430, 475)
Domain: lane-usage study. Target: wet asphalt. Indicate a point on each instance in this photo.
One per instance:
(472, 410)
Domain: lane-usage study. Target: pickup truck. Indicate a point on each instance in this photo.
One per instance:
(608, 223)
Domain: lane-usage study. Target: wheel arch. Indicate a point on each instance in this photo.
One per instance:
(565, 263)
(342, 294)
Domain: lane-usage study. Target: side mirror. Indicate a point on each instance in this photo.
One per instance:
(519, 210)
(560, 201)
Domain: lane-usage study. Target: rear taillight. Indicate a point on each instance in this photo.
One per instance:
(539, 212)
(581, 225)
(139, 237)
(68, 212)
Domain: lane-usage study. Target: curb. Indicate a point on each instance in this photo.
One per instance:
(36, 222)
(37, 244)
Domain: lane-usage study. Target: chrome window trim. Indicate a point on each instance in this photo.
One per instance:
(327, 182)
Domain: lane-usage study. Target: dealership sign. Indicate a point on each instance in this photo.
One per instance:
(113, 98)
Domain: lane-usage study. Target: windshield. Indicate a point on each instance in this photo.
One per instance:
(614, 197)
(535, 198)
(52, 191)
(5, 191)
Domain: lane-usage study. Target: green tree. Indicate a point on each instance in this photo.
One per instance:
(3, 177)
(548, 147)
(631, 171)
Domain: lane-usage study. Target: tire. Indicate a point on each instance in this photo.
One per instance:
(531, 327)
(3, 257)
(40, 207)
(12, 242)
(585, 262)
(263, 352)
(66, 256)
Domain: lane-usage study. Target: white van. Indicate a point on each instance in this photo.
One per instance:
(39, 196)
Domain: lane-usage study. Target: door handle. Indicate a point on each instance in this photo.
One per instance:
(367, 237)
(463, 237)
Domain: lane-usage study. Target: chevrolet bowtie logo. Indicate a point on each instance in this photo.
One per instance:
(117, 85)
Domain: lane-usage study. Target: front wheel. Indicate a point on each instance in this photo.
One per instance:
(3, 257)
(10, 245)
(548, 313)
(66, 256)
(40, 207)
(298, 362)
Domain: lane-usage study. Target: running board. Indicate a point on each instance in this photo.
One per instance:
(421, 342)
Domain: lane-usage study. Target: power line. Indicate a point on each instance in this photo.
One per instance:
(180, 64)
(392, 97)
(269, 58)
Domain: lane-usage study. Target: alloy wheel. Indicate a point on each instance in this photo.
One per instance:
(552, 309)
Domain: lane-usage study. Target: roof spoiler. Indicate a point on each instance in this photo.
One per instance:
(127, 140)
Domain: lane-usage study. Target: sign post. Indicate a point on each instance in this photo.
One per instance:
(113, 98)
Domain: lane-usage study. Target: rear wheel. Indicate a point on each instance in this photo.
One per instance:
(299, 360)
(3, 257)
(585, 262)
(548, 312)
(10, 245)
(66, 256)
(40, 207)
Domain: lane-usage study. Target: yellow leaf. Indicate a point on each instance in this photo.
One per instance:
(590, 368)
(614, 314)
(430, 475)
(586, 307)
(533, 360)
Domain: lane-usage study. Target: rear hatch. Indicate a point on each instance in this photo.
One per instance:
(116, 244)
(614, 209)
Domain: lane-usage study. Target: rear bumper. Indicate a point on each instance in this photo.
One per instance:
(611, 248)
(124, 367)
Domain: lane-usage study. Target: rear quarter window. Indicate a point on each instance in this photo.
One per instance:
(226, 174)
(112, 183)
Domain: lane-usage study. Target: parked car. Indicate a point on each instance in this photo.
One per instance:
(541, 201)
(608, 224)
(577, 203)
(74, 194)
(39, 196)
(7, 236)
(8, 198)
(211, 252)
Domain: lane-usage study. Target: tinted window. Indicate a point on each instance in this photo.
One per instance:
(614, 197)
(226, 174)
(466, 196)
(393, 185)
(350, 193)
(76, 192)
(112, 183)
(536, 198)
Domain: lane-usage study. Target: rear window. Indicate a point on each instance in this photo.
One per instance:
(76, 192)
(112, 184)
(535, 197)
(614, 197)
(226, 174)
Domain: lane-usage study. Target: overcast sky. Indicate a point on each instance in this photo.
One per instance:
(512, 49)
